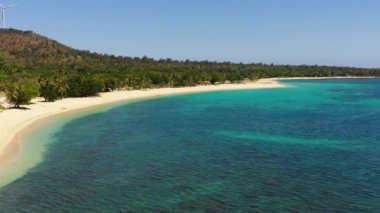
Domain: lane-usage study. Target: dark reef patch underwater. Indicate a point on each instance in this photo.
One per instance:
(312, 147)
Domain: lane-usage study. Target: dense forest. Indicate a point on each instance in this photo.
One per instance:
(32, 65)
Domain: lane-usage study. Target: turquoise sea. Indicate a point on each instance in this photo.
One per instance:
(311, 147)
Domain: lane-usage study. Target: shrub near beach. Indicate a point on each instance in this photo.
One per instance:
(21, 92)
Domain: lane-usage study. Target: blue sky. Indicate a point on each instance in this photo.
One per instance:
(325, 32)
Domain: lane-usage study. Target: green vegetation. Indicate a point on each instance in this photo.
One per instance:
(52, 87)
(60, 71)
(21, 92)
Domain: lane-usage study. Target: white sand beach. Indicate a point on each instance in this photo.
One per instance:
(12, 121)
(324, 78)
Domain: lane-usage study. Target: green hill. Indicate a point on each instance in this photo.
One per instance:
(25, 55)
(28, 48)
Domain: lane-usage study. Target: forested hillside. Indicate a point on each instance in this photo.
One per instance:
(54, 70)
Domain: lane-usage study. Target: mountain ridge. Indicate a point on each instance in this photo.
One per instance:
(27, 46)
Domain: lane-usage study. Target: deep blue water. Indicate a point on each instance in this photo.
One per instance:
(312, 147)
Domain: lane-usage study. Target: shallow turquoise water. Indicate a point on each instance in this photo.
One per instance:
(312, 147)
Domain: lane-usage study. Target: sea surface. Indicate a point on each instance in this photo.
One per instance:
(311, 147)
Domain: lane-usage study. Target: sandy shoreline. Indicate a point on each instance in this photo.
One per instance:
(13, 121)
(323, 78)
